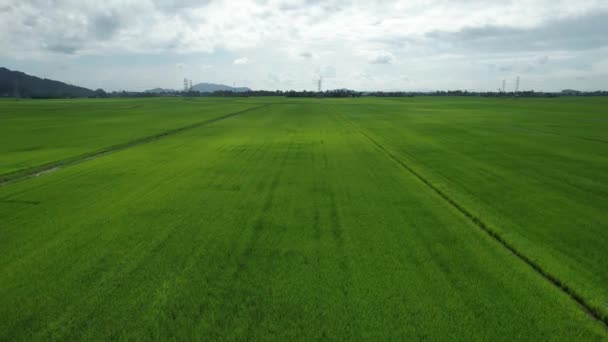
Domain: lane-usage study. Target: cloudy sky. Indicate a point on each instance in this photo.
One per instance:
(280, 44)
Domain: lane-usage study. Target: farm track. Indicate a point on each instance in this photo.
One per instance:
(592, 311)
(10, 178)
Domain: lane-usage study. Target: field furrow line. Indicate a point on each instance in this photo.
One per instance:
(37, 171)
(592, 311)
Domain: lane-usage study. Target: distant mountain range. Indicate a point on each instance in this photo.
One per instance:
(203, 88)
(210, 88)
(16, 83)
(159, 90)
(19, 84)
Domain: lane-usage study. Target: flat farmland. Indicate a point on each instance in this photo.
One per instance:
(38, 134)
(534, 171)
(273, 218)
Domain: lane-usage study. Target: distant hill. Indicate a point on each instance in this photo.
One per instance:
(16, 83)
(201, 87)
(159, 90)
(211, 87)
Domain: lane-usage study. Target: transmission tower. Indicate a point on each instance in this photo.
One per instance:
(517, 84)
(190, 87)
(185, 84)
(320, 84)
(504, 85)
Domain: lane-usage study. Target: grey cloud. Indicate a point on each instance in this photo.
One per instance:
(573, 33)
(326, 71)
(104, 26)
(313, 11)
(385, 39)
(518, 64)
(399, 40)
(382, 57)
(67, 49)
(264, 15)
(366, 76)
(30, 21)
(273, 78)
(282, 79)
(542, 60)
(329, 72)
(179, 5)
(289, 6)
(334, 7)
(61, 29)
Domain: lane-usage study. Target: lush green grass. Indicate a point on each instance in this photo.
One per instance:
(535, 170)
(287, 222)
(34, 133)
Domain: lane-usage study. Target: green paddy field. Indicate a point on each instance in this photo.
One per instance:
(298, 219)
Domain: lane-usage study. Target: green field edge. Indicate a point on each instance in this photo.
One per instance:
(593, 311)
(20, 175)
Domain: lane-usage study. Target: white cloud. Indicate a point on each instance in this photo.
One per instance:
(381, 57)
(427, 38)
(241, 61)
(328, 71)
(279, 80)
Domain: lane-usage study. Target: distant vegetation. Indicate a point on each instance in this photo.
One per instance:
(240, 93)
(527, 93)
(200, 88)
(19, 84)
